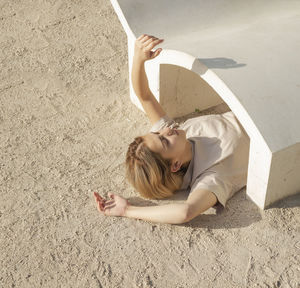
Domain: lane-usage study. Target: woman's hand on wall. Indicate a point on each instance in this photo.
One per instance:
(143, 46)
(114, 207)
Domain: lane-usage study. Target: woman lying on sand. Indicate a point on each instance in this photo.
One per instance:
(206, 155)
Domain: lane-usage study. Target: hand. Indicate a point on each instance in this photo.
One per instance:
(143, 46)
(115, 207)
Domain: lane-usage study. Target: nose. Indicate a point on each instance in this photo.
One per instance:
(169, 131)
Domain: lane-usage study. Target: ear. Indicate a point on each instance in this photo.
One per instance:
(175, 166)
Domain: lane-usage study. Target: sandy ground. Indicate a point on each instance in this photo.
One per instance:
(65, 124)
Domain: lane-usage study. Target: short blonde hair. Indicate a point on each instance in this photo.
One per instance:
(149, 173)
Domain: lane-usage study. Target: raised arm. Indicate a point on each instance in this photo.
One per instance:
(142, 52)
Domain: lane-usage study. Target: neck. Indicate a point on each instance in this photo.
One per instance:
(188, 153)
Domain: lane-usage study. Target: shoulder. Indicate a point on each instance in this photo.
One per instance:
(216, 183)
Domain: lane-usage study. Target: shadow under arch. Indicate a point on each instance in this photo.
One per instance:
(188, 87)
(183, 91)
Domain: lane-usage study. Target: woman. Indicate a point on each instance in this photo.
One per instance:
(207, 155)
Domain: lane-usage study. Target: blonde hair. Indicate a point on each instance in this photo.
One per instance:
(149, 173)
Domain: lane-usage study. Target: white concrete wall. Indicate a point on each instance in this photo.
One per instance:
(285, 177)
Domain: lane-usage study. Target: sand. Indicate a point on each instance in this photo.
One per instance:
(65, 123)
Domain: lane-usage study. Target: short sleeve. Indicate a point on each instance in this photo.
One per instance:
(163, 122)
(212, 181)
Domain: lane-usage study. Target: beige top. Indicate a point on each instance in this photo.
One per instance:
(220, 149)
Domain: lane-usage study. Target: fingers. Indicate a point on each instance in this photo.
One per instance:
(156, 53)
(100, 207)
(152, 44)
(104, 210)
(141, 37)
(98, 197)
(103, 205)
(100, 202)
(109, 202)
(146, 40)
(109, 207)
(143, 46)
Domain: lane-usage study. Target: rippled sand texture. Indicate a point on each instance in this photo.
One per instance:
(65, 124)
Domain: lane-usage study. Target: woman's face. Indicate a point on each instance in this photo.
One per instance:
(169, 143)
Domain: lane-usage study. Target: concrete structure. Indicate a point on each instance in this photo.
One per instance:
(247, 54)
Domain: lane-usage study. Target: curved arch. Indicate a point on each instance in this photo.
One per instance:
(189, 62)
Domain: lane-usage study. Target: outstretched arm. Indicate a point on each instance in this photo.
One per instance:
(118, 206)
(199, 200)
(171, 213)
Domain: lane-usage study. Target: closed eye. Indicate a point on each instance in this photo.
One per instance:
(161, 138)
(167, 142)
